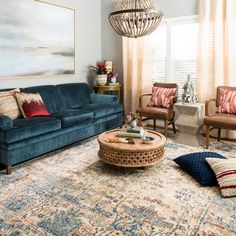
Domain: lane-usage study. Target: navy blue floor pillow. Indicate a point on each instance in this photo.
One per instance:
(195, 164)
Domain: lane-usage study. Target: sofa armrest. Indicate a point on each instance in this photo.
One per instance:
(103, 99)
(5, 123)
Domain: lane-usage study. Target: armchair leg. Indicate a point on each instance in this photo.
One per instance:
(165, 127)
(9, 170)
(173, 125)
(219, 134)
(154, 124)
(207, 137)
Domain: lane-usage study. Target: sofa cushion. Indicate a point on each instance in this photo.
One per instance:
(73, 117)
(75, 95)
(50, 95)
(24, 128)
(101, 110)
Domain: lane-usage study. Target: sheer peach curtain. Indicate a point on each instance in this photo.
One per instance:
(217, 46)
(137, 66)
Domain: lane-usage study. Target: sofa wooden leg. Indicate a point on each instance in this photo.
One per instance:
(219, 134)
(165, 127)
(154, 124)
(207, 137)
(9, 170)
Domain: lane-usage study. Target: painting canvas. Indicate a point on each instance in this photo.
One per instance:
(36, 39)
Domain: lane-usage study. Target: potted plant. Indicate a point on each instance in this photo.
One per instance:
(101, 73)
(133, 119)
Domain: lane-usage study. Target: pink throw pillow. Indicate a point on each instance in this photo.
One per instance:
(227, 103)
(161, 97)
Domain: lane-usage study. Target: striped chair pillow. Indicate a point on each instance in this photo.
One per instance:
(227, 103)
(225, 171)
(161, 97)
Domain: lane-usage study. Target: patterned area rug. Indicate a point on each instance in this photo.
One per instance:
(71, 192)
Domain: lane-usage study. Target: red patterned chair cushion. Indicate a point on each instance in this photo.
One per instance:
(227, 103)
(31, 105)
(161, 97)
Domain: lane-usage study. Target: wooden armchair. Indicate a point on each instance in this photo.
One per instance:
(159, 113)
(216, 120)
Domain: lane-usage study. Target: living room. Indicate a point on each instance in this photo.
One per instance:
(150, 151)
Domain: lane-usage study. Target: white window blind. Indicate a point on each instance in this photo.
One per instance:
(159, 54)
(175, 51)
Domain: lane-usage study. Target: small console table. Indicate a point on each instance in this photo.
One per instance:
(101, 89)
(189, 122)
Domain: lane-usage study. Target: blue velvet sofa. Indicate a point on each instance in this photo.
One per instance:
(76, 114)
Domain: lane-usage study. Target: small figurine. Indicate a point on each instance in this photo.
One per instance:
(189, 94)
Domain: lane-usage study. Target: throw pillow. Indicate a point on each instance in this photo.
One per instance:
(31, 105)
(8, 104)
(225, 171)
(161, 97)
(227, 103)
(195, 165)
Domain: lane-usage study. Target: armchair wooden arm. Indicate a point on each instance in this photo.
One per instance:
(173, 100)
(207, 104)
(141, 99)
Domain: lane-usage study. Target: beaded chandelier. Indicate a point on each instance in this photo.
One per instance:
(135, 18)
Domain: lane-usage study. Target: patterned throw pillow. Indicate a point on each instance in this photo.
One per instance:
(227, 103)
(161, 97)
(225, 171)
(31, 105)
(8, 104)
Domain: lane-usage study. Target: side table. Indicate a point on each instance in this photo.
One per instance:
(189, 122)
(101, 89)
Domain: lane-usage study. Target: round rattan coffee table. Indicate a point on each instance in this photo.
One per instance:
(131, 155)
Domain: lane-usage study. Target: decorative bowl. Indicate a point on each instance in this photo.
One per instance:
(147, 139)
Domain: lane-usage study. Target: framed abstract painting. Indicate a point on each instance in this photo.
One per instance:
(36, 39)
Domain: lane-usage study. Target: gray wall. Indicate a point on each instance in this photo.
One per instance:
(112, 43)
(88, 44)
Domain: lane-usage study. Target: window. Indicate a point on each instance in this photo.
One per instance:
(174, 51)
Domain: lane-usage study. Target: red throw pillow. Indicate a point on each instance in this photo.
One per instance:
(227, 103)
(161, 97)
(31, 105)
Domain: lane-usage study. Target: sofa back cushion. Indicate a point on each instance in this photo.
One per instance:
(50, 95)
(75, 95)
